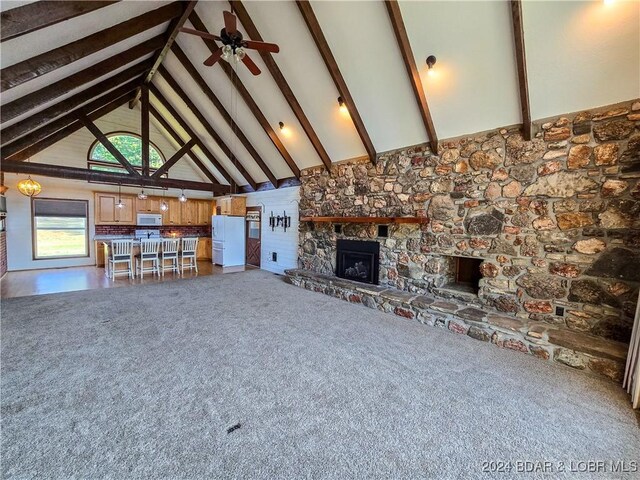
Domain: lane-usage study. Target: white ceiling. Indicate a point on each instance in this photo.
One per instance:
(580, 54)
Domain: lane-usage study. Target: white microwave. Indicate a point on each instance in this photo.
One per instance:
(149, 219)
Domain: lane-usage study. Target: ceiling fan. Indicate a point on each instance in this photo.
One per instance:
(233, 44)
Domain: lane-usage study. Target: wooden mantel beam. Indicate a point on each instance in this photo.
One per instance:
(73, 173)
(34, 16)
(246, 96)
(332, 66)
(278, 77)
(47, 62)
(521, 63)
(395, 15)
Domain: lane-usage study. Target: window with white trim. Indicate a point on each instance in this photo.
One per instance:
(60, 228)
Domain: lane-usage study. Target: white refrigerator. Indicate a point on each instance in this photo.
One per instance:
(228, 240)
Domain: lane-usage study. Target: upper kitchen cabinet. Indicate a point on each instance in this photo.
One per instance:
(189, 213)
(235, 206)
(148, 205)
(172, 216)
(106, 212)
(205, 210)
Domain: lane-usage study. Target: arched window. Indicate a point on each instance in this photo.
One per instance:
(130, 145)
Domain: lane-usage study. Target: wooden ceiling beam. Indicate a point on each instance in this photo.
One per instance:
(34, 16)
(521, 63)
(144, 128)
(74, 173)
(47, 115)
(332, 66)
(175, 86)
(106, 143)
(182, 151)
(170, 130)
(47, 62)
(63, 133)
(278, 77)
(191, 70)
(46, 94)
(59, 123)
(246, 96)
(395, 15)
(185, 126)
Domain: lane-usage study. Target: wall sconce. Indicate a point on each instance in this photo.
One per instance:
(343, 107)
(279, 221)
(431, 61)
(285, 130)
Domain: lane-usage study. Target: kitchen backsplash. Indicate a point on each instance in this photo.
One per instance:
(184, 231)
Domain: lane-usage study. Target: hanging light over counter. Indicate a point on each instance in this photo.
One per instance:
(29, 187)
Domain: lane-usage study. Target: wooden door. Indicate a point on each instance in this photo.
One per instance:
(253, 234)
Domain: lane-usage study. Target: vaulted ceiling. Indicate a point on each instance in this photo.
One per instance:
(578, 55)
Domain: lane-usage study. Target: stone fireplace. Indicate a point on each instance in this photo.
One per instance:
(357, 260)
(553, 221)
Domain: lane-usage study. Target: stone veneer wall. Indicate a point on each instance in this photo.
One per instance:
(556, 219)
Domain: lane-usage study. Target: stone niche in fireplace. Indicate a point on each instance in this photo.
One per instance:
(358, 260)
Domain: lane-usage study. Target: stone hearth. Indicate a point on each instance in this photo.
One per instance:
(578, 350)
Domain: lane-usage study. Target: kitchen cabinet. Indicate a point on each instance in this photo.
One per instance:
(106, 212)
(204, 249)
(148, 205)
(235, 206)
(189, 213)
(205, 210)
(171, 216)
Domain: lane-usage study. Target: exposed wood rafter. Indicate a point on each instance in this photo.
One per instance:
(175, 86)
(170, 36)
(74, 173)
(48, 114)
(184, 149)
(521, 62)
(169, 129)
(17, 150)
(144, 128)
(39, 65)
(191, 70)
(246, 96)
(185, 126)
(69, 129)
(284, 87)
(108, 145)
(66, 85)
(34, 16)
(341, 85)
(395, 15)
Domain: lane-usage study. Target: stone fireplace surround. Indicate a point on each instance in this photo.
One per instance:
(556, 220)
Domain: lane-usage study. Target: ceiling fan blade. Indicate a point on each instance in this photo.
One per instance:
(229, 22)
(213, 58)
(200, 34)
(262, 46)
(253, 68)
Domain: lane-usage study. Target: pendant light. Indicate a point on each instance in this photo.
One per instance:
(142, 195)
(119, 204)
(182, 197)
(29, 187)
(163, 205)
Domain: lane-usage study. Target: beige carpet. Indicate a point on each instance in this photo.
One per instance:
(145, 382)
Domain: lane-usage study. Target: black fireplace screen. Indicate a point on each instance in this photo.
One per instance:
(359, 261)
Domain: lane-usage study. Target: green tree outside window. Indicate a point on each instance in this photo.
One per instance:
(131, 148)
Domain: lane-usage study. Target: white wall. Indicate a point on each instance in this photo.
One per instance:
(285, 244)
(19, 239)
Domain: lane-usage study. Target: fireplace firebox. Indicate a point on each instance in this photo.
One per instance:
(358, 260)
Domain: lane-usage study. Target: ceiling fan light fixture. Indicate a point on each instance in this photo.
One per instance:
(240, 54)
(227, 52)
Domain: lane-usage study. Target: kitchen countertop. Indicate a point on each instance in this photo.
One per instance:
(107, 238)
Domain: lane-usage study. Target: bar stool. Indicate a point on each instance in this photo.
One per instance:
(189, 248)
(120, 253)
(170, 253)
(149, 250)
